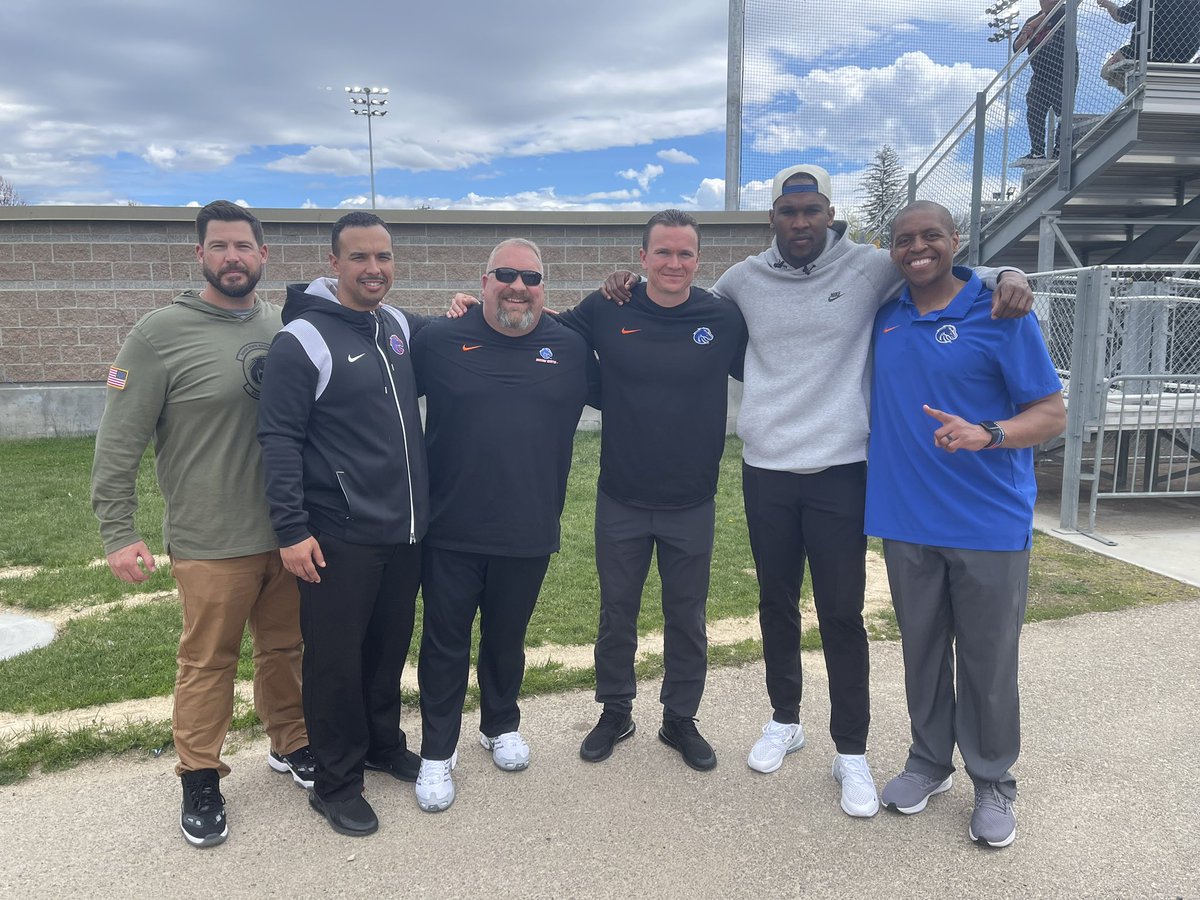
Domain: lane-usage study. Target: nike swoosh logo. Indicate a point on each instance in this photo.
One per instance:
(466, 348)
(355, 358)
(892, 328)
(630, 330)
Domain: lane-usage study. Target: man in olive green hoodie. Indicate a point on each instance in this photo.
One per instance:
(189, 375)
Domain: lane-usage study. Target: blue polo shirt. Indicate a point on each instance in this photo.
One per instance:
(962, 361)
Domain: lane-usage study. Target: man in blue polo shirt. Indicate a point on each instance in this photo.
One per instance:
(958, 401)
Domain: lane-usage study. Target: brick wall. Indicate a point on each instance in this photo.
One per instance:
(73, 281)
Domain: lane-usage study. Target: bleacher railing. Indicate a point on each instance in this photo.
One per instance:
(1126, 342)
(982, 165)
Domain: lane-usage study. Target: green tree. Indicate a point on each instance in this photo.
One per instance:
(885, 189)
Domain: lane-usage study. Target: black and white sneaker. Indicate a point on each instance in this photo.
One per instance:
(302, 764)
(202, 818)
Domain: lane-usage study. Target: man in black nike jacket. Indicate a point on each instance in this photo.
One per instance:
(348, 489)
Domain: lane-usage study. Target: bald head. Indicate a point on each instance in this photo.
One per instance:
(925, 206)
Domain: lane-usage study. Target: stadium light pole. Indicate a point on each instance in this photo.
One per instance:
(1003, 23)
(365, 102)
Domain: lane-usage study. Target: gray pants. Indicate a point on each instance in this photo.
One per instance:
(969, 605)
(626, 536)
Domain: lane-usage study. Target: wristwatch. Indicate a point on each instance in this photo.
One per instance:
(995, 431)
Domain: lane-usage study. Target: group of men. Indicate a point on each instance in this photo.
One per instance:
(364, 509)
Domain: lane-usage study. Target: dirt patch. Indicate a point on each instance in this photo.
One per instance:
(579, 656)
(19, 571)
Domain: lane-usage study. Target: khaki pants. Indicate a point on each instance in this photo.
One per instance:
(219, 598)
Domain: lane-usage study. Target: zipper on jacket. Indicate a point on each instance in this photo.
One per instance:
(345, 496)
(387, 367)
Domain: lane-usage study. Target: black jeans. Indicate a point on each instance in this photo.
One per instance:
(819, 518)
(503, 590)
(357, 624)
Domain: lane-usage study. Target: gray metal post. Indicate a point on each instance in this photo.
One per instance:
(1045, 259)
(977, 178)
(1067, 121)
(912, 189)
(1082, 370)
(733, 106)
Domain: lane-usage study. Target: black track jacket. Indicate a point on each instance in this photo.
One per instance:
(339, 424)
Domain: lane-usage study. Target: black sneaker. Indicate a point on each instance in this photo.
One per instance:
(613, 726)
(404, 766)
(353, 817)
(681, 733)
(302, 764)
(202, 818)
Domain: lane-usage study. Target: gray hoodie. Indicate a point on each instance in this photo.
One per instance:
(807, 377)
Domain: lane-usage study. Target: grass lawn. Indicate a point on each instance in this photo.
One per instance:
(128, 651)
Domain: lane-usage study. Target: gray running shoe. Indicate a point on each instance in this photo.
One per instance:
(909, 792)
(993, 823)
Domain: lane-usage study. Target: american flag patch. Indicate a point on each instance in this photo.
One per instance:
(117, 377)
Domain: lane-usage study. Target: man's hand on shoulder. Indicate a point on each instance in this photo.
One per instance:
(1013, 298)
(133, 564)
(303, 559)
(618, 286)
(459, 305)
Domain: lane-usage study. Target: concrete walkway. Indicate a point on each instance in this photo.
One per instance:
(1109, 804)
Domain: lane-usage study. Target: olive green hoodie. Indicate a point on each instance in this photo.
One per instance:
(189, 375)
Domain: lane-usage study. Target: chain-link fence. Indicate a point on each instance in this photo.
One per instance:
(1074, 72)
(1126, 342)
(810, 93)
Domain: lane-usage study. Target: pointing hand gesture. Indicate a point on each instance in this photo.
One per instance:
(955, 433)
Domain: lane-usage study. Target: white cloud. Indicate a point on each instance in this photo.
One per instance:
(648, 173)
(678, 157)
(851, 111)
(710, 194)
(194, 157)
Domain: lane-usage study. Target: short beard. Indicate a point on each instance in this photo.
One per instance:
(235, 293)
(513, 322)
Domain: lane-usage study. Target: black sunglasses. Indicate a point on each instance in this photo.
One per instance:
(505, 275)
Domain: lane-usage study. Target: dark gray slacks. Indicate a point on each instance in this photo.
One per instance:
(964, 608)
(626, 536)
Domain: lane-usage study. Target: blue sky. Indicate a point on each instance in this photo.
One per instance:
(531, 104)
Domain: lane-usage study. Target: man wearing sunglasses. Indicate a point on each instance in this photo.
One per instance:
(665, 362)
(504, 388)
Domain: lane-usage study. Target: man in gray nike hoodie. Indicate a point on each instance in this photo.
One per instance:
(809, 302)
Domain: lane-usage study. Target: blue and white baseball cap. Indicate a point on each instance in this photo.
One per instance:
(816, 173)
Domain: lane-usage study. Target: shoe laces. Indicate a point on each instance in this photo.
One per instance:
(611, 719)
(303, 760)
(917, 779)
(686, 726)
(510, 740)
(434, 771)
(855, 770)
(988, 796)
(777, 733)
(205, 795)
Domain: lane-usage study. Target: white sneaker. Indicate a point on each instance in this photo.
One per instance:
(435, 786)
(858, 787)
(509, 750)
(777, 741)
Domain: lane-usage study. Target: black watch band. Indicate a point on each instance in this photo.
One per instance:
(995, 431)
